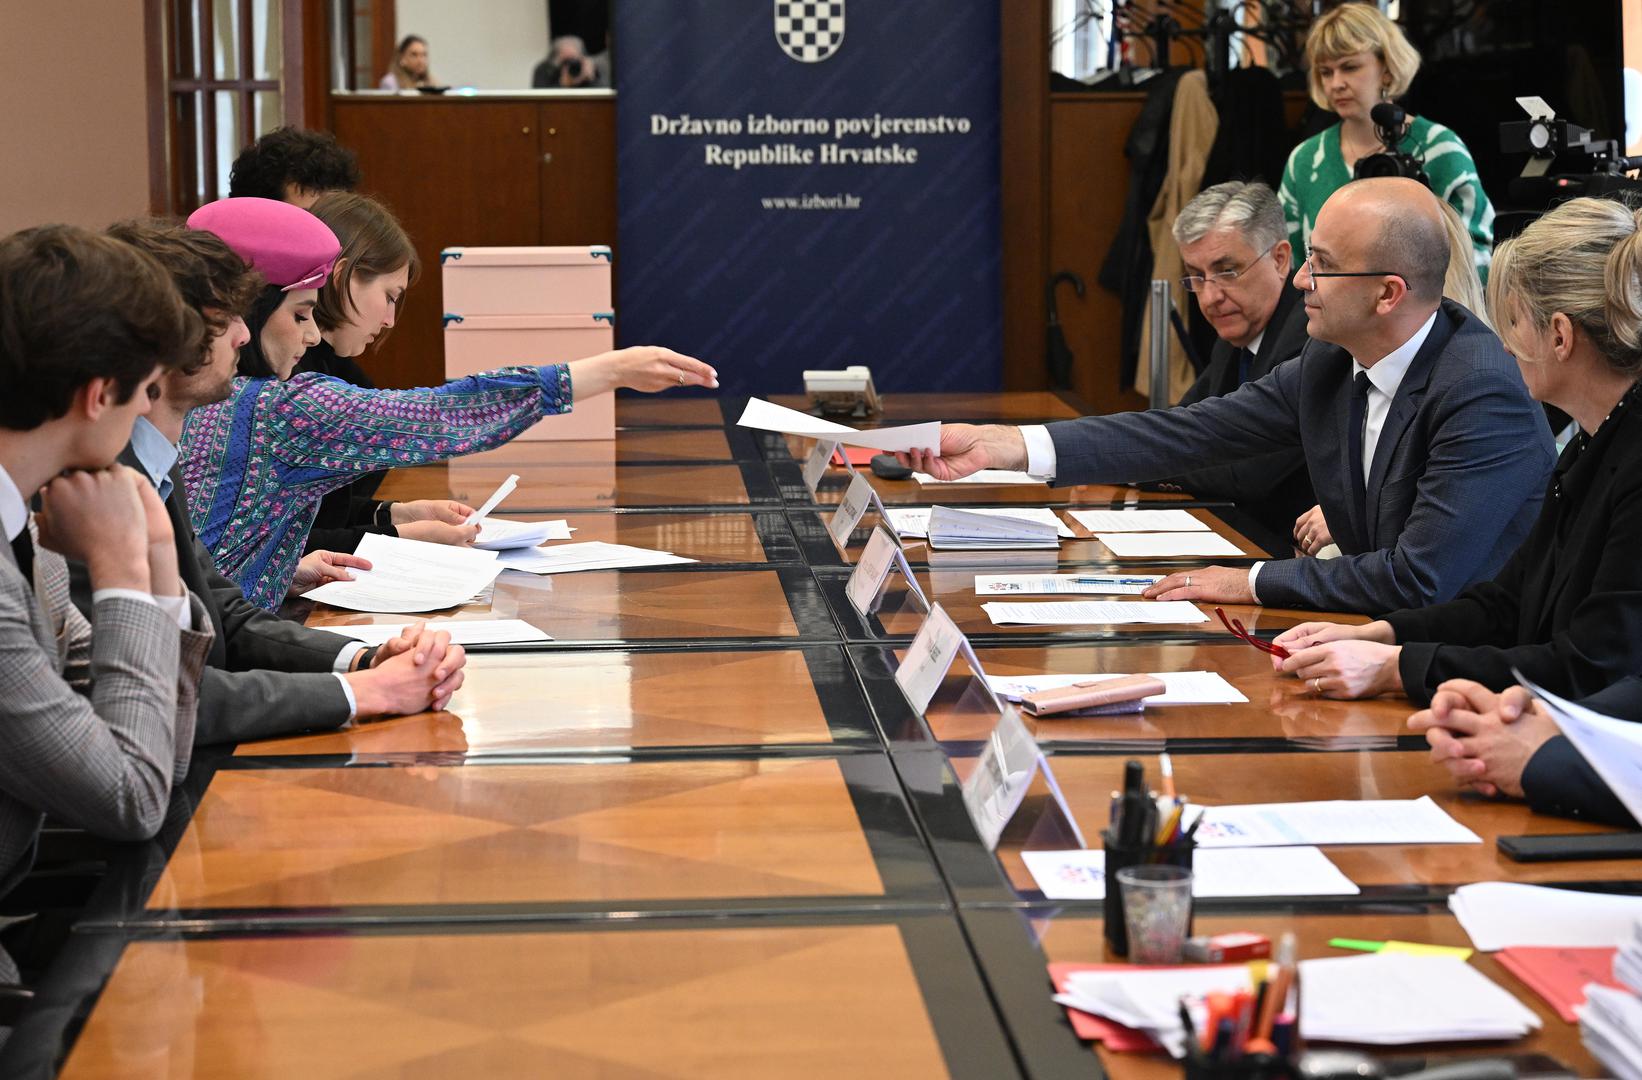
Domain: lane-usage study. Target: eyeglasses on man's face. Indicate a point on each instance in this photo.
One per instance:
(1197, 282)
(1316, 273)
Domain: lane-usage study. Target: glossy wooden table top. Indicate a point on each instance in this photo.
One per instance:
(1279, 706)
(580, 832)
(908, 408)
(1221, 779)
(767, 1001)
(533, 702)
(1079, 939)
(665, 410)
(600, 485)
(707, 538)
(614, 605)
(630, 447)
(912, 493)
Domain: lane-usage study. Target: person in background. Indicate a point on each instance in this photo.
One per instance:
(410, 66)
(1358, 58)
(1566, 610)
(264, 676)
(568, 67)
(257, 464)
(293, 165)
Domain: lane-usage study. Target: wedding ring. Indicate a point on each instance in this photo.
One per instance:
(1317, 686)
(1188, 580)
(681, 378)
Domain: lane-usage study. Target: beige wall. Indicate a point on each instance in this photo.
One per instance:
(73, 112)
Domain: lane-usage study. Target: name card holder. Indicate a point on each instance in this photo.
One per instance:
(936, 645)
(815, 465)
(995, 792)
(852, 507)
(882, 554)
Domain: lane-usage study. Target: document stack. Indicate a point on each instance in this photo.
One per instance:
(964, 529)
(1400, 998)
(1610, 1021)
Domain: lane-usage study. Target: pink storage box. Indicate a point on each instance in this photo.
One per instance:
(475, 343)
(525, 280)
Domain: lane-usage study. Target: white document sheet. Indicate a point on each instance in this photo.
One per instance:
(1184, 687)
(1613, 747)
(1500, 914)
(589, 555)
(500, 534)
(1295, 871)
(1345, 821)
(954, 528)
(1081, 612)
(1610, 1026)
(767, 416)
(986, 476)
(1167, 545)
(913, 521)
(1099, 521)
(1149, 1001)
(1064, 584)
(461, 631)
(1393, 999)
(409, 575)
(503, 490)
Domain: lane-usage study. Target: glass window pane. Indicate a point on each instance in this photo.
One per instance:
(230, 138)
(225, 38)
(270, 112)
(185, 40)
(267, 41)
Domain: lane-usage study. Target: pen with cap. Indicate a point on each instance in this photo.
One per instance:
(1113, 581)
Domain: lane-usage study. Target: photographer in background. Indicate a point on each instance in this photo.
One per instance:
(568, 67)
(1358, 58)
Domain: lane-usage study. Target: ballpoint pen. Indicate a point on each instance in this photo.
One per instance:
(1113, 581)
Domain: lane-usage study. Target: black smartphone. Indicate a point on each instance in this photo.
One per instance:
(1558, 847)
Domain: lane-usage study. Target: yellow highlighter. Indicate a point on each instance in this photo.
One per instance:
(1413, 948)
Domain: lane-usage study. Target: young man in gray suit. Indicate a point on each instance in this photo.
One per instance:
(96, 717)
(265, 676)
(1428, 455)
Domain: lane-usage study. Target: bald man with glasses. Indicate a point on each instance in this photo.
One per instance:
(1427, 454)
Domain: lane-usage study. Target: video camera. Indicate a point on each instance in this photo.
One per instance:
(1583, 165)
(1391, 125)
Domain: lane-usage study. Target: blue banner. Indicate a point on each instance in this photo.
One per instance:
(811, 184)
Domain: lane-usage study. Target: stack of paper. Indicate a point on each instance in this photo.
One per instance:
(1184, 687)
(1080, 612)
(1346, 821)
(591, 555)
(913, 521)
(1610, 1025)
(1499, 914)
(986, 476)
(1293, 871)
(461, 631)
(1099, 521)
(1149, 1000)
(499, 534)
(1627, 966)
(966, 530)
(1394, 998)
(1063, 584)
(1145, 545)
(409, 575)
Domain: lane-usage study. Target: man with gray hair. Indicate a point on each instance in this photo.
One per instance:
(1428, 456)
(1239, 265)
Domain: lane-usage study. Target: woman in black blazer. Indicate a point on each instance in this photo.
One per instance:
(1566, 609)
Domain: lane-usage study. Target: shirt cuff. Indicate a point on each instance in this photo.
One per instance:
(177, 607)
(1254, 575)
(1040, 451)
(344, 659)
(347, 692)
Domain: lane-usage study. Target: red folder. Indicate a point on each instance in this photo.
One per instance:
(1559, 975)
(859, 455)
(1115, 1036)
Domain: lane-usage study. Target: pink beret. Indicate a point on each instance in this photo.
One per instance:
(289, 246)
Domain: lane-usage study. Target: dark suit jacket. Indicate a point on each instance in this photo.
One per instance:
(1567, 608)
(1274, 488)
(265, 676)
(1454, 486)
(1558, 779)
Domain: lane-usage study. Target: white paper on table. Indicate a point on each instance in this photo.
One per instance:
(986, 476)
(1612, 747)
(1099, 521)
(1610, 1026)
(951, 527)
(500, 534)
(1080, 612)
(768, 416)
(1064, 584)
(1500, 914)
(410, 575)
(461, 631)
(1394, 999)
(1167, 545)
(1293, 871)
(1342, 821)
(589, 555)
(914, 521)
(503, 490)
(1184, 687)
(1149, 1001)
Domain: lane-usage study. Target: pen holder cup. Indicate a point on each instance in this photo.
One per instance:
(1120, 857)
(1200, 1066)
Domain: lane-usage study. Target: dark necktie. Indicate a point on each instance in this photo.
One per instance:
(1359, 410)
(1244, 359)
(23, 548)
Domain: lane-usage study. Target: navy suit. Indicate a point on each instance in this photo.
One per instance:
(1558, 780)
(1456, 480)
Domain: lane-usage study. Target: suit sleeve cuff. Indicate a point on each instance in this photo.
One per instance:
(347, 692)
(344, 659)
(1040, 451)
(1254, 575)
(1414, 665)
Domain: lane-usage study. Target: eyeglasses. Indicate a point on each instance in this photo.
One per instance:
(1235, 628)
(1195, 283)
(1317, 274)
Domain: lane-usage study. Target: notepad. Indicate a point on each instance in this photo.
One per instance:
(913, 521)
(986, 476)
(461, 631)
(1344, 821)
(1292, 871)
(956, 529)
(500, 534)
(1498, 914)
(1184, 687)
(1099, 521)
(1084, 612)
(409, 576)
(1162, 545)
(1393, 999)
(590, 555)
(1064, 584)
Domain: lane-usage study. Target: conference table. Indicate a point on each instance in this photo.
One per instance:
(701, 831)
